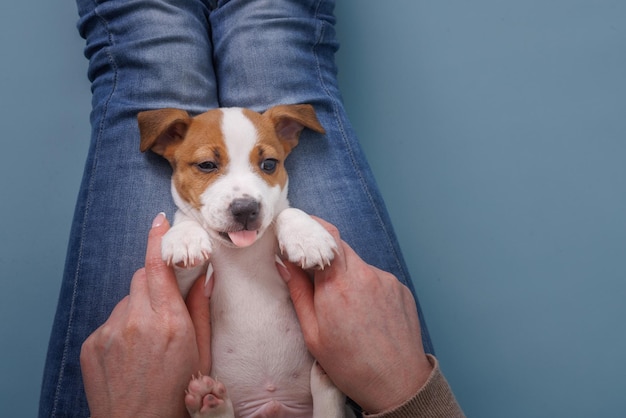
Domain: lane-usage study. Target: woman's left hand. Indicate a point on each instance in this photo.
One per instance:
(139, 362)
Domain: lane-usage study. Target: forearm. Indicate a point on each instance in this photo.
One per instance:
(434, 400)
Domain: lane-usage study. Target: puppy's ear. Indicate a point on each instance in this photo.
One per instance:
(160, 129)
(290, 120)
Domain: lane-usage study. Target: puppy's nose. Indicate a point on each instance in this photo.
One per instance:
(245, 211)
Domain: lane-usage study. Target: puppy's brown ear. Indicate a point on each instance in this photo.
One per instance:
(290, 120)
(161, 129)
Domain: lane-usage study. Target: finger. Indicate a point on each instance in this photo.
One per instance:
(120, 311)
(99, 340)
(339, 262)
(302, 295)
(160, 277)
(118, 316)
(385, 275)
(139, 285)
(200, 313)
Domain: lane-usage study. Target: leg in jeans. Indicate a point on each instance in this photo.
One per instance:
(142, 54)
(283, 52)
(147, 54)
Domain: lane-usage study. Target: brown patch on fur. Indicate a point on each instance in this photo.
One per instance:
(289, 121)
(187, 142)
(162, 129)
(202, 141)
(263, 151)
(278, 131)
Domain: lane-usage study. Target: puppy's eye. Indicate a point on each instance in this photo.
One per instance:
(269, 165)
(207, 166)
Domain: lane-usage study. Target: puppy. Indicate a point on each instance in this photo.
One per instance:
(230, 186)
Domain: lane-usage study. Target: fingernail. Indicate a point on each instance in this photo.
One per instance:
(282, 269)
(158, 221)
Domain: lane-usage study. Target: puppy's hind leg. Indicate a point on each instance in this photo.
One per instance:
(328, 401)
(207, 398)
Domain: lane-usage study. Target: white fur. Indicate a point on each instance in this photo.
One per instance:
(240, 180)
(258, 352)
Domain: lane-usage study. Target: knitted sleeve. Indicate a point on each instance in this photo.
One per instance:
(434, 400)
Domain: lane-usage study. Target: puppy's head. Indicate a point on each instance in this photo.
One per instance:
(228, 164)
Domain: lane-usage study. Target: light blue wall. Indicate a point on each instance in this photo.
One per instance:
(44, 128)
(497, 131)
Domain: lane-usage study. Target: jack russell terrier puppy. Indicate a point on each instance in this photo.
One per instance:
(230, 186)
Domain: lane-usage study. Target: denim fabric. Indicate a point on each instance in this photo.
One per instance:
(196, 55)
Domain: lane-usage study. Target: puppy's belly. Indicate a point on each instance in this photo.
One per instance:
(257, 347)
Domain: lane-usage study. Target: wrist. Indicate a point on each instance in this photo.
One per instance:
(402, 387)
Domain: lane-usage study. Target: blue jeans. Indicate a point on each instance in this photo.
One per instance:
(196, 55)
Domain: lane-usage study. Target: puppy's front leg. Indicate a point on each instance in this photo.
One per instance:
(304, 240)
(187, 247)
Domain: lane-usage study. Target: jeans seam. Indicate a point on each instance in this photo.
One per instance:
(88, 198)
(393, 251)
(362, 182)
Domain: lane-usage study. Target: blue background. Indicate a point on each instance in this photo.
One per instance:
(497, 131)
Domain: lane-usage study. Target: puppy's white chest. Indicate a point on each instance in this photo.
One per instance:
(257, 346)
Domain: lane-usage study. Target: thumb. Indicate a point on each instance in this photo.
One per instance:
(302, 294)
(200, 313)
(160, 278)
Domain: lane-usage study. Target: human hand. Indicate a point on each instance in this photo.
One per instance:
(139, 362)
(361, 325)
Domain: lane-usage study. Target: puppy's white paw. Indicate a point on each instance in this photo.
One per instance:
(303, 240)
(186, 245)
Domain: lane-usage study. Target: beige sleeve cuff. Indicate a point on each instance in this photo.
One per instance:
(434, 400)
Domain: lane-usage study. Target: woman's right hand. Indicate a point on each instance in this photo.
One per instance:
(361, 325)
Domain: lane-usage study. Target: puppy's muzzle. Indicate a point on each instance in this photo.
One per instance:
(246, 212)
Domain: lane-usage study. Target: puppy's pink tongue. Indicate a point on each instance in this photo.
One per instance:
(242, 238)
